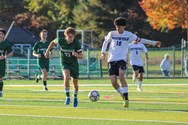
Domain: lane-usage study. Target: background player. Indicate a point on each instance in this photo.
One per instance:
(39, 50)
(135, 49)
(5, 52)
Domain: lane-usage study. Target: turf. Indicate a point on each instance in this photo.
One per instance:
(163, 102)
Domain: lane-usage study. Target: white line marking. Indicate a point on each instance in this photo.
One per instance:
(100, 119)
(22, 85)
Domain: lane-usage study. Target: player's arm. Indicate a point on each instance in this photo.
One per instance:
(127, 56)
(104, 46)
(36, 55)
(8, 55)
(78, 54)
(150, 42)
(146, 56)
(51, 45)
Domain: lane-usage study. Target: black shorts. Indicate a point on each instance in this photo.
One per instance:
(113, 67)
(139, 69)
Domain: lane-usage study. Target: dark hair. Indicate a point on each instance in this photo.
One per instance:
(3, 31)
(120, 21)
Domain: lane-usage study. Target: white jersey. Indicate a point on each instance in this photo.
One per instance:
(136, 53)
(119, 43)
(165, 65)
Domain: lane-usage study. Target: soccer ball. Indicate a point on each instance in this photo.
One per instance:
(94, 95)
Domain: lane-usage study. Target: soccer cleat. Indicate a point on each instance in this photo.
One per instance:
(67, 101)
(45, 89)
(36, 78)
(75, 103)
(139, 89)
(126, 103)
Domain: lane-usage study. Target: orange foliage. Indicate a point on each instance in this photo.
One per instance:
(166, 13)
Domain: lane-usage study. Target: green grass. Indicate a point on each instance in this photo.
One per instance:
(163, 102)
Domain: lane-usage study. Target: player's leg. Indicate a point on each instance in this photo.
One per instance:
(44, 78)
(2, 74)
(75, 92)
(140, 79)
(1, 87)
(139, 87)
(124, 85)
(66, 76)
(135, 73)
(74, 73)
(113, 73)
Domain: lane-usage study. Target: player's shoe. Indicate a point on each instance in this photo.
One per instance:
(75, 102)
(126, 103)
(67, 101)
(36, 78)
(139, 89)
(45, 89)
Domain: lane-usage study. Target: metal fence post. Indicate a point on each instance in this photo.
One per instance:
(28, 62)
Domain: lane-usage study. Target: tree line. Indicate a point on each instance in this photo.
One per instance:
(155, 19)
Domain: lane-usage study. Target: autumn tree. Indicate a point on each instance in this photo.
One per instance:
(166, 14)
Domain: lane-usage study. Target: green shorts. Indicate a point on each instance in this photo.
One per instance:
(73, 68)
(43, 64)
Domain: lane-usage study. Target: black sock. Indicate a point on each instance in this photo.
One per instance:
(1, 85)
(45, 84)
(75, 94)
(125, 96)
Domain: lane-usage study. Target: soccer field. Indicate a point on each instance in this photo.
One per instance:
(162, 102)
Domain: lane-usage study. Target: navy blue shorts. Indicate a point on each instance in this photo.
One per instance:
(139, 69)
(113, 67)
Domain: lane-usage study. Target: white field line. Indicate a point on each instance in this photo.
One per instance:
(22, 85)
(100, 101)
(97, 119)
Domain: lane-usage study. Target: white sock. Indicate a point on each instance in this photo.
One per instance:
(119, 90)
(139, 84)
(124, 89)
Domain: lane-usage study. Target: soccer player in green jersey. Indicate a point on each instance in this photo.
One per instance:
(5, 52)
(70, 50)
(39, 50)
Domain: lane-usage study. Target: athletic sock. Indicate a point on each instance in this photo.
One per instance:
(119, 91)
(75, 94)
(125, 92)
(45, 83)
(67, 92)
(139, 84)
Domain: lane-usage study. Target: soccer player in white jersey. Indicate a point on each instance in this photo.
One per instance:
(135, 49)
(119, 40)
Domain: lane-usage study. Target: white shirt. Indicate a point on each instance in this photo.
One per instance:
(119, 43)
(136, 53)
(165, 65)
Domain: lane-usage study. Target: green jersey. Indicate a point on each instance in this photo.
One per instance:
(40, 48)
(67, 49)
(5, 48)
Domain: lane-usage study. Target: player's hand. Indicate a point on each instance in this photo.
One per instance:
(158, 44)
(103, 56)
(46, 55)
(39, 56)
(2, 57)
(75, 54)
